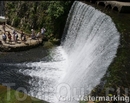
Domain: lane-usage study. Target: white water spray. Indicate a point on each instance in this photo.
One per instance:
(45, 74)
(90, 41)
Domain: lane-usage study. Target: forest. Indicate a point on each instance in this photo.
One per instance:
(26, 15)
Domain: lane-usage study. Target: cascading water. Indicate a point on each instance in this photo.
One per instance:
(90, 42)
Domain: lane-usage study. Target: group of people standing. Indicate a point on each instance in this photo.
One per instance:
(13, 37)
(35, 36)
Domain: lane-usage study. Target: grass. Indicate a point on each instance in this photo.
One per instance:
(8, 95)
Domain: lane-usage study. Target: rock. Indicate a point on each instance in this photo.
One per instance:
(47, 44)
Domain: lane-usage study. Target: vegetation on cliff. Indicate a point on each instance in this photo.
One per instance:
(37, 14)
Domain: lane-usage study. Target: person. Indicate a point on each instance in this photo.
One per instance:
(32, 31)
(9, 36)
(1, 43)
(33, 34)
(16, 37)
(3, 27)
(4, 37)
(43, 31)
(14, 32)
(22, 35)
(38, 35)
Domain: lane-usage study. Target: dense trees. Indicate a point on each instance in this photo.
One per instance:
(36, 14)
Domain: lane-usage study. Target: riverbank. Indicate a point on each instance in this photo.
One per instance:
(16, 97)
(10, 46)
(118, 73)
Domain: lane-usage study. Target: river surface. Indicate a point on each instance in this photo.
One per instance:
(36, 71)
(9, 70)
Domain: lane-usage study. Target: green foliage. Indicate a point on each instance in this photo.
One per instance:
(14, 96)
(16, 21)
(36, 14)
(55, 9)
(83, 102)
(48, 44)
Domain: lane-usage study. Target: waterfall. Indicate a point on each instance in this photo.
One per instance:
(90, 40)
(88, 46)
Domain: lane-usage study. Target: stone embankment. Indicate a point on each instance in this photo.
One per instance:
(120, 6)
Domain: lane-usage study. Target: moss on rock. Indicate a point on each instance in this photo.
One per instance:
(48, 44)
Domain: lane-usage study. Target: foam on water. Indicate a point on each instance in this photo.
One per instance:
(45, 75)
(90, 40)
